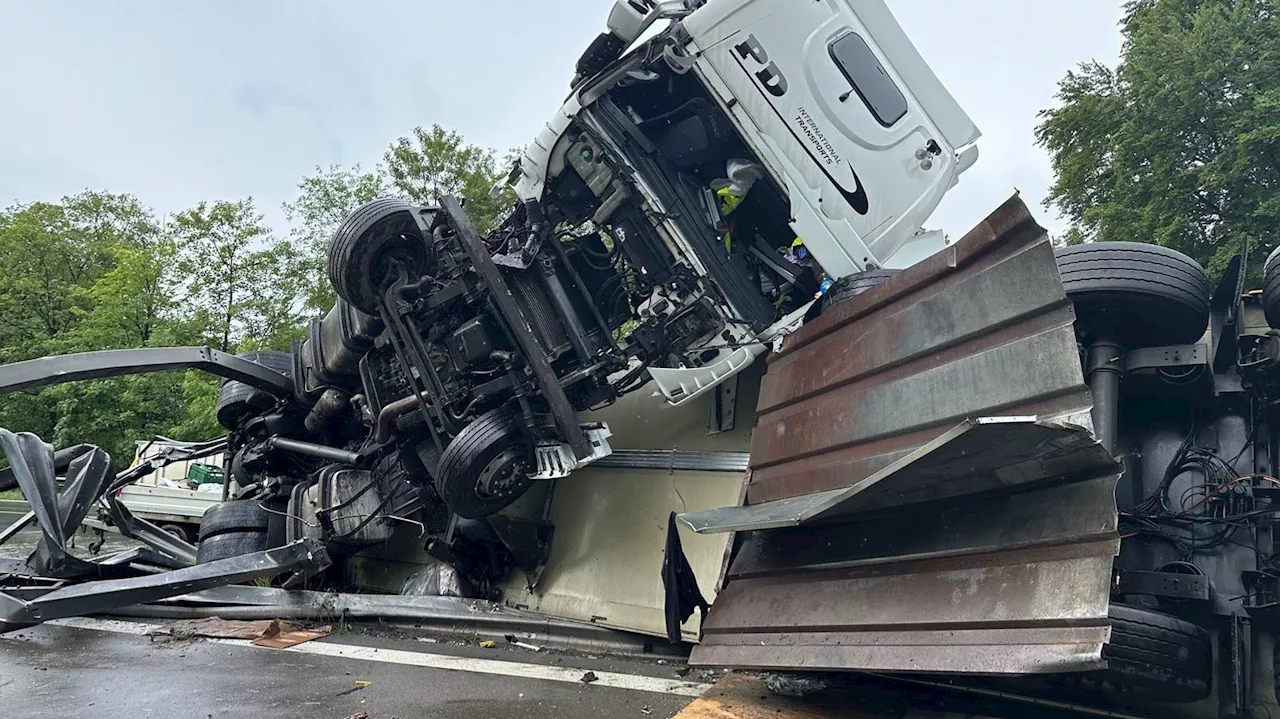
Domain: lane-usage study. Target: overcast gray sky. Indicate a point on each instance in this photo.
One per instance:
(179, 102)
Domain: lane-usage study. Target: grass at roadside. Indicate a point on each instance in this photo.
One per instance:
(12, 494)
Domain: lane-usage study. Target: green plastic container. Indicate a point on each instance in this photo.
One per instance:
(206, 474)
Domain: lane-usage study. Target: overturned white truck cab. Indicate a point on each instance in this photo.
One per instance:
(811, 129)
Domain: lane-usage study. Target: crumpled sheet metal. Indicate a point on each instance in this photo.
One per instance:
(34, 466)
(436, 579)
(988, 454)
(981, 329)
(924, 492)
(58, 514)
(306, 555)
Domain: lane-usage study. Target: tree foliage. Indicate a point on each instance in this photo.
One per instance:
(1180, 143)
(235, 277)
(429, 164)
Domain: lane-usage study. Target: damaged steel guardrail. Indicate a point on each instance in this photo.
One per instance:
(34, 466)
(304, 555)
(114, 363)
(58, 514)
(125, 578)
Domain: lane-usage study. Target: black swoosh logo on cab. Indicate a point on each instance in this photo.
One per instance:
(857, 199)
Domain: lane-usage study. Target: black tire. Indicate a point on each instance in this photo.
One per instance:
(237, 400)
(494, 437)
(365, 245)
(1148, 295)
(231, 544)
(180, 531)
(235, 516)
(1271, 289)
(851, 286)
(1151, 656)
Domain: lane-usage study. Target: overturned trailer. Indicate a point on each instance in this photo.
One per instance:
(922, 490)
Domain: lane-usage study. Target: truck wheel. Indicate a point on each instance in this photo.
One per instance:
(178, 531)
(231, 544)
(1152, 656)
(851, 286)
(235, 516)
(366, 246)
(237, 400)
(1149, 295)
(484, 468)
(1271, 288)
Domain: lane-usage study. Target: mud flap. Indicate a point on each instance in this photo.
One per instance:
(679, 585)
(925, 493)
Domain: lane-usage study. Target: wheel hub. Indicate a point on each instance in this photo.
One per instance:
(503, 476)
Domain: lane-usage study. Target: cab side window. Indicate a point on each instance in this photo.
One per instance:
(869, 79)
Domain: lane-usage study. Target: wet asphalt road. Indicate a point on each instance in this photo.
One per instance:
(53, 671)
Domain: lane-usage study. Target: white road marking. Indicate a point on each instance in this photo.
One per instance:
(499, 667)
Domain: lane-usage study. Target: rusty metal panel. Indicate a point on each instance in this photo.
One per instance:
(1006, 568)
(981, 329)
(924, 494)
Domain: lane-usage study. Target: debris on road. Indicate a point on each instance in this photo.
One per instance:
(511, 639)
(590, 677)
(284, 640)
(488, 644)
(270, 633)
(360, 684)
(216, 628)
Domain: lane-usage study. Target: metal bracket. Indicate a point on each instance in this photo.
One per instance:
(724, 406)
(1163, 584)
(677, 460)
(1151, 358)
(1233, 678)
(558, 460)
(1262, 596)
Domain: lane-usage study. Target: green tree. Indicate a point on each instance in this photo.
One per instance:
(1180, 143)
(105, 220)
(44, 266)
(431, 163)
(324, 200)
(131, 302)
(273, 315)
(236, 278)
(91, 272)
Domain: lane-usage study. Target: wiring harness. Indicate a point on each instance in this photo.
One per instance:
(1207, 515)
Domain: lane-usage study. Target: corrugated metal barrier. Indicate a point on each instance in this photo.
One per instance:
(924, 494)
